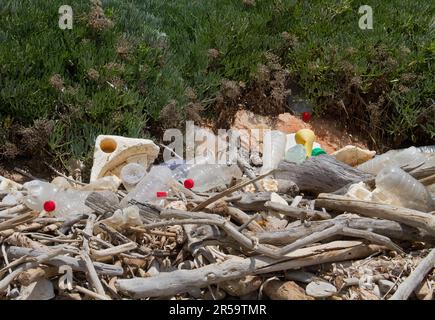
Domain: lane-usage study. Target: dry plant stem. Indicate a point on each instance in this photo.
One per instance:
(171, 283)
(296, 213)
(74, 263)
(64, 176)
(406, 216)
(229, 191)
(247, 169)
(92, 273)
(406, 288)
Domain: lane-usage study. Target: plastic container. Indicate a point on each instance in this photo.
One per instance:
(63, 203)
(406, 189)
(273, 150)
(296, 154)
(158, 179)
(131, 174)
(210, 176)
(409, 157)
(39, 192)
(317, 152)
(376, 164)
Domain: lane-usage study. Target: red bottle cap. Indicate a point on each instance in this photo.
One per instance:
(306, 116)
(49, 206)
(189, 183)
(161, 194)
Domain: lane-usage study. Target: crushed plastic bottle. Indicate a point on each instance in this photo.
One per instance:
(131, 174)
(296, 154)
(401, 186)
(376, 164)
(158, 179)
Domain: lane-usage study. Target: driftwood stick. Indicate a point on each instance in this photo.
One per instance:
(90, 293)
(92, 273)
(390, 229)
(297, 213)
(11, 223)
(406, 216)
(114, 250)
(19, 208)
(373, 237)
(74, 263)
(415, 278)
(229, 191)
(241, 217)
(171, 283)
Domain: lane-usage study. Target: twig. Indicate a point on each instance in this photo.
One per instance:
(415, 278)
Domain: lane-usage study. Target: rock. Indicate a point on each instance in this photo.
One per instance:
(385, 286)
(241, 287)
(289, 124)
(320, 289)
(113, 152)
(39, 290)
(353, 155)
(285, 290)
(300, 276)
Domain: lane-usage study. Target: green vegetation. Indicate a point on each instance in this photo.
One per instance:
(129, 67)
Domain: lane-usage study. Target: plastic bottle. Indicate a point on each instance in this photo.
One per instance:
(161, 198)
(158, 179)
(406, 189)
(210, 176)
(273, 150)
(131, 174)
(376, 164)
(296, 154)
(63, 203)
(39, 192)
(408, 157)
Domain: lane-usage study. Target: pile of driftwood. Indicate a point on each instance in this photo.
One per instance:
(302, 241)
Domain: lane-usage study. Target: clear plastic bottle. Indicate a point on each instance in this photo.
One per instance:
(296, 154)
(405, 188)
(65, 203)
(38, 192)
(210, 176)
(408, 157)
(376, 164)
(131, 174)
(158, 179)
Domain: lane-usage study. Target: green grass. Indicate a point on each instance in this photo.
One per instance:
(384, 76)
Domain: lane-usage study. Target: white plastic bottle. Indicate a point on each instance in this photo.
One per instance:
(405, 188)
(131, 174)
(158, 179)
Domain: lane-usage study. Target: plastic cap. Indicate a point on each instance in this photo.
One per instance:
(189, 183)
(161, 194)
(306, 116)
(49, 206)
(317, 151)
